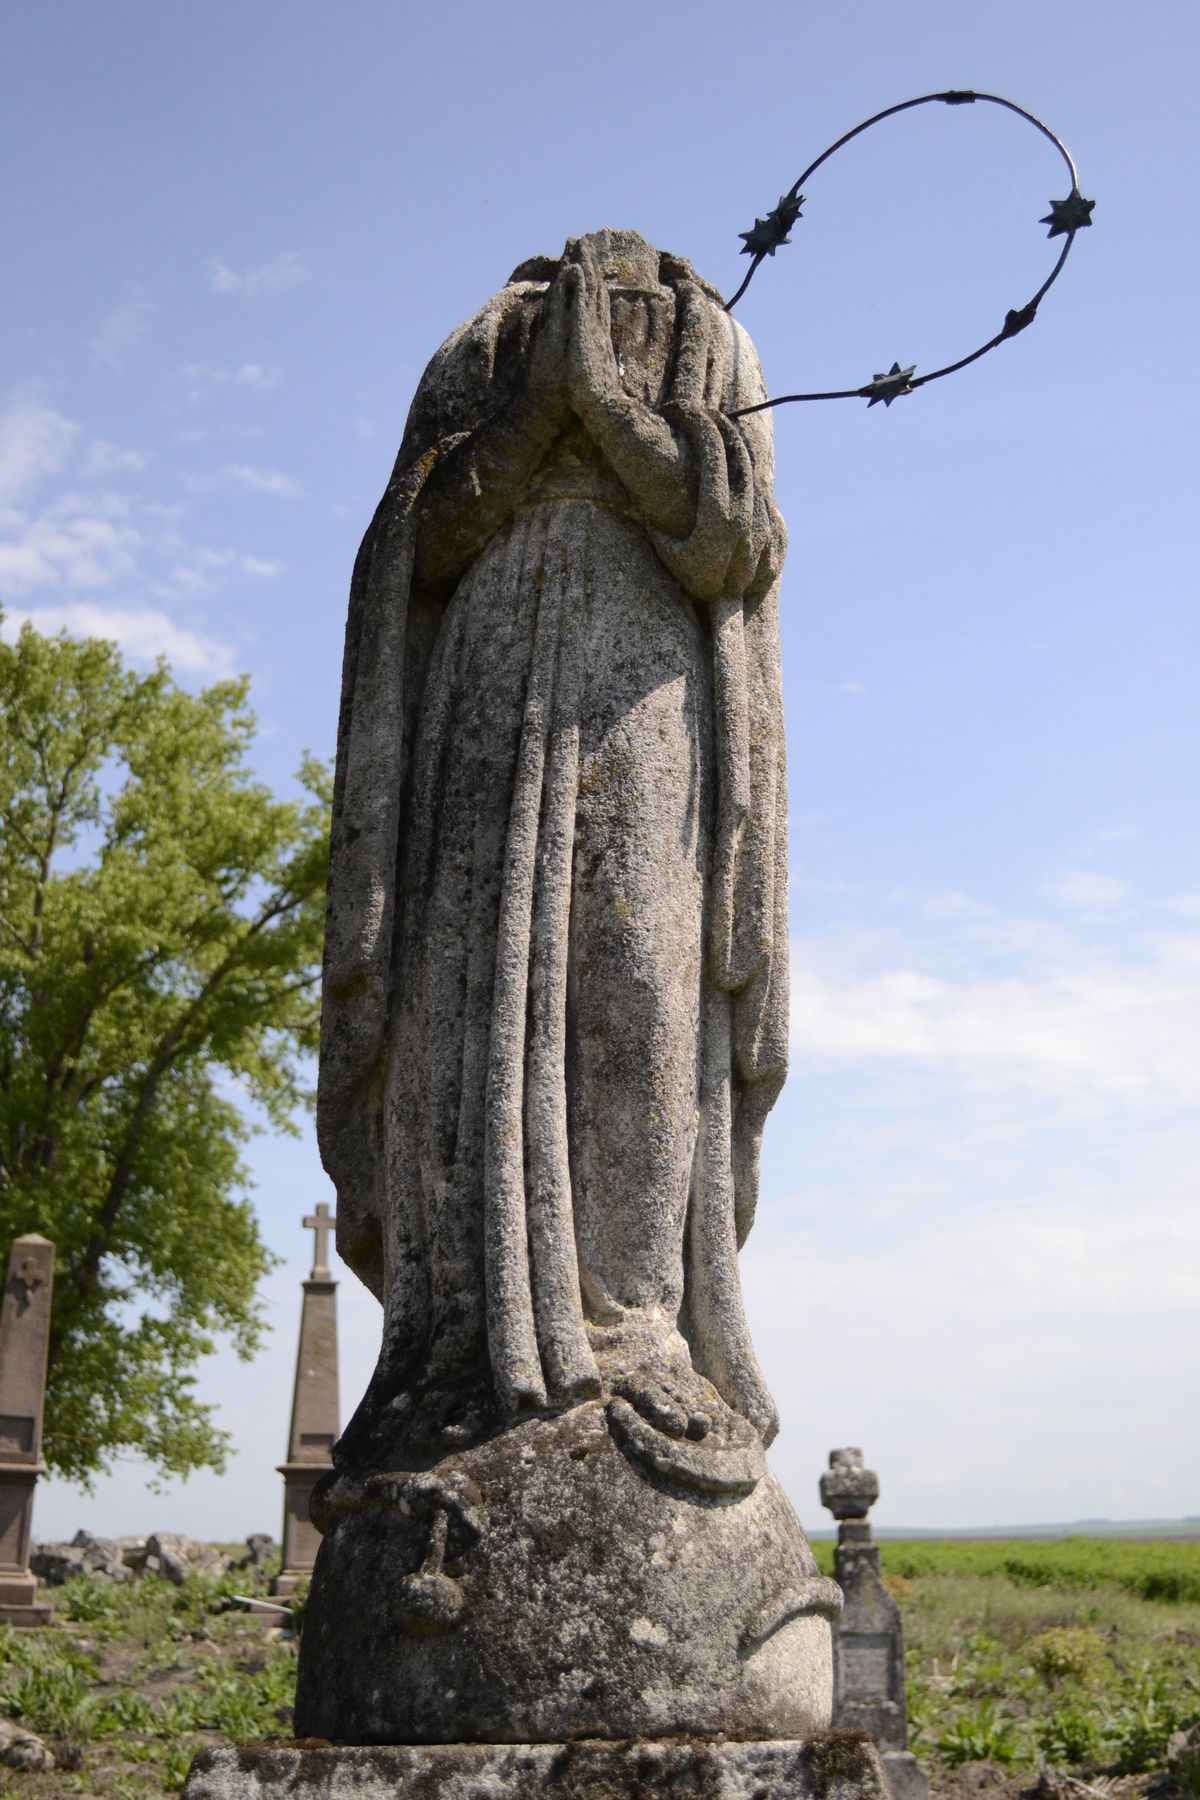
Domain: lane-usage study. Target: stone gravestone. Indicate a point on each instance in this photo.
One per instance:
(868, 1640)
(24, 1336)
(555, 1560)
(314, 1410)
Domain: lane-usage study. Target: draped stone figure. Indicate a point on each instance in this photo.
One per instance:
(555, 1019)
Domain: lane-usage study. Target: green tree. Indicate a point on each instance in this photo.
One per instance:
(160, 937)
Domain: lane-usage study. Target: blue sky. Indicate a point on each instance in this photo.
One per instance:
(234, 236)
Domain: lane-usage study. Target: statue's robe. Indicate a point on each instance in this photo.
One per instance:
(555, 1003)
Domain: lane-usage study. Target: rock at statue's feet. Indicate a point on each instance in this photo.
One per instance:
(575, 1575)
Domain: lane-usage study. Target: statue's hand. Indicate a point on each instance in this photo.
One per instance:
(546, 369)
(592, 373)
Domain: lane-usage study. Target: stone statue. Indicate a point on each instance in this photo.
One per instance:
(555, 1021)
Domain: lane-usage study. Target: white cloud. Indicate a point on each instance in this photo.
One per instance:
(261, 481)
(104, 459)
(989, 1359)
(121, 333)
(851, 687)
(203, 434)
(998, 1162)
(1115, 834)
(245, 477)
(206, 569)
(956, 908)
(78, 540)
(260, 377)
(35, 441)
(1097, 1030)
(142, 633)
(283, 271)
(1086, 890)
(75, 543)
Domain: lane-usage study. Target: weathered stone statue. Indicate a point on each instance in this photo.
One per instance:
(555, 1021)
(556, 975)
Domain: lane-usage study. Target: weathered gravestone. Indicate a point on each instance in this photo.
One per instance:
(555, 1019)
(24, 1336)
(868, 1639)
(314, 1423)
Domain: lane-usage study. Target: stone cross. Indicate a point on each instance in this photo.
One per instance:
(24, 1336)
(868, 1641)
(314, 1424)
(320, 1223)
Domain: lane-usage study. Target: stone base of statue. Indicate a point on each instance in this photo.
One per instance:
(833, 1765)
(575, 1575)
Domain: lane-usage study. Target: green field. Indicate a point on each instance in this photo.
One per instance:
(1081, 1653)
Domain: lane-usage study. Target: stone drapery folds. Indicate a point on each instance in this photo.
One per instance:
(555, 1011)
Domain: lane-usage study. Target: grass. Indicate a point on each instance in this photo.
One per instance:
(1084, 1653)
(1081, 1652)
(1152, 1570)
(131, 1679)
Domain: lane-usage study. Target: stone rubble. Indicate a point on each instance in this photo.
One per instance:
(21, 1749)
(167, 1553)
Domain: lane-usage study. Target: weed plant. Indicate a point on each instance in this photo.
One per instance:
(133, 1678)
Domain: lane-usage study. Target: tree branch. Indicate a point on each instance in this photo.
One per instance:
(80, 1274)
(15, 935)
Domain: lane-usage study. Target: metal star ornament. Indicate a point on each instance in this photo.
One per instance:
(1071, 214)
(767, 235)
(889, 387)
(1017, 318)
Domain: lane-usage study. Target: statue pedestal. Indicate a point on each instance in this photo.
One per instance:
(834, 1765)
(551, 1582)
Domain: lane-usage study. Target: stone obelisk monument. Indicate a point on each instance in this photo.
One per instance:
(24, 1336)
(555, 1559)
(314, 1424)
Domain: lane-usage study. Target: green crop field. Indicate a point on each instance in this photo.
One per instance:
(1079, 1653)
(1083, 1653)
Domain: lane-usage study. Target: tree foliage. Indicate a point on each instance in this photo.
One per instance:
(160, 935)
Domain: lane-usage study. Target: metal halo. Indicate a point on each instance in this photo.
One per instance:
(1065, 218)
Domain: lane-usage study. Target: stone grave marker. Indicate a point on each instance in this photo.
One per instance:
(24, 1337)
(314, 1426)
(868, 1640)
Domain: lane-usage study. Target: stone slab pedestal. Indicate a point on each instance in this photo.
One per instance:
(835, 1765)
